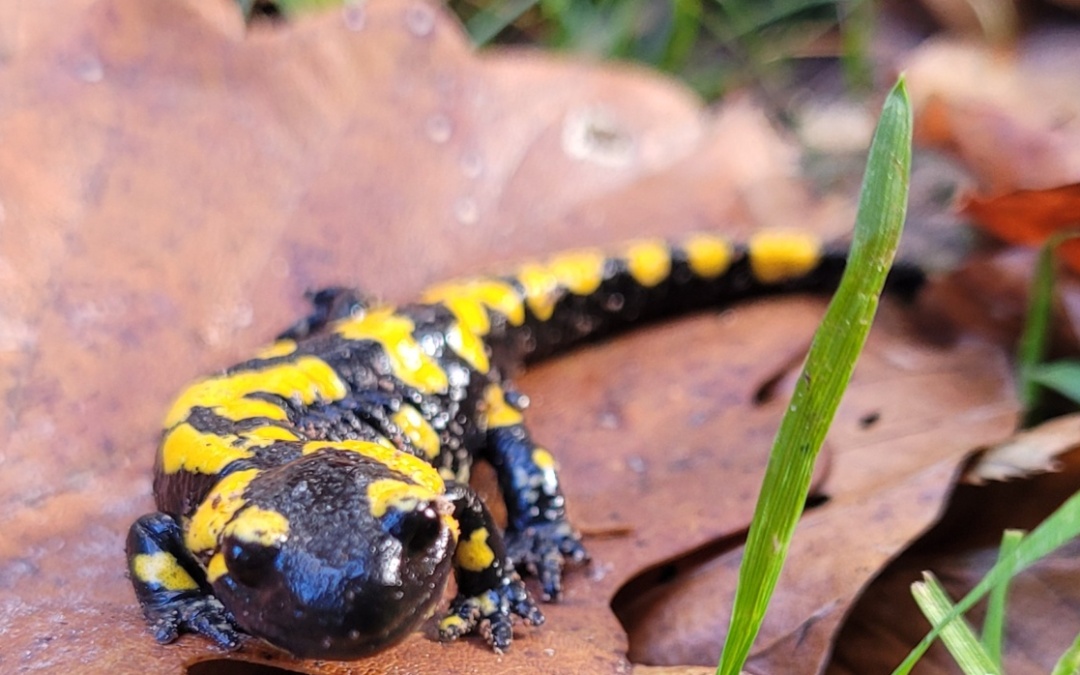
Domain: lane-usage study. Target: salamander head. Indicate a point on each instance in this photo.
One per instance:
(334, 555)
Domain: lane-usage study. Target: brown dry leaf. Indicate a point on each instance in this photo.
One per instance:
(1029, 452)
(1041, 615)
(170, 186)
(1031, 216)
(913, 412)
(1013, 116)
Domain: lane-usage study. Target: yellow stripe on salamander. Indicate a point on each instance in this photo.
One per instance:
(418, 430)
(776, 257)
(581, 272)
(308, 378)
(254, 525)
(394, 332)
(470, 300)
(186, 448)
(215, 511)
(498, 412)
(468, 346)
(387, 493)
(415, 468)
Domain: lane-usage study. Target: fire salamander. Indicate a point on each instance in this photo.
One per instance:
(316, 496)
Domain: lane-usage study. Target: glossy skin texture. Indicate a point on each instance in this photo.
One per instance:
(316, 495)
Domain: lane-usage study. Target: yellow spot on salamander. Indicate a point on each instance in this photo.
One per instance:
(163, 570)
(470, 300)
(415, 468)
(474, 554)
(217, 508)
(709, 256)
(256, 525)
(499, 413)
(468, 346)
(387, 493)
(776, 257)
(452, 626)
(580, 272)
(543, 459)
(541, 289)
(279, 348)
(649, 262)
(307, 378)
(216, 568)
(418, 430)
(394, 332)
(253, 525)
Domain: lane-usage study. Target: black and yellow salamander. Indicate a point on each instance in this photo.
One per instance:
(316, 496)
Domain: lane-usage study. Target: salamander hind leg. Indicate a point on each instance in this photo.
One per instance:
(490, 593)
(166, 583)
(539, 537)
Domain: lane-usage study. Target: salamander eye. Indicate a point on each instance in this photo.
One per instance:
(416, 529)
(248, 562)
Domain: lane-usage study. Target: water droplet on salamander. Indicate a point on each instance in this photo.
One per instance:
(614, 302)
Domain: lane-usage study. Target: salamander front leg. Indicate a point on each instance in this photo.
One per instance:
(165, 579)
(538, 536)
(490, 593)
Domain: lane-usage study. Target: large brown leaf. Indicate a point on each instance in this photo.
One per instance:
(169, 186)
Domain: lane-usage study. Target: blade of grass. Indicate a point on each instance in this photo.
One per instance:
(492, 20)
(828, 369)
(957, 635)
(1036, 336)
(993, 634)
(856, 31)
(1069, 663)
(686, 24)
(1034, 339)
(1061, 376)
(1058, 529)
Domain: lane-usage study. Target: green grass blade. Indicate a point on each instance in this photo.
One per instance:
(686, 24)
(957, 635)
(1061, 376)
(1069, 663)
(856, 32)
(492, 20)
(1058, 529)
(829, 364)
(993, 636)
(1035, 337)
